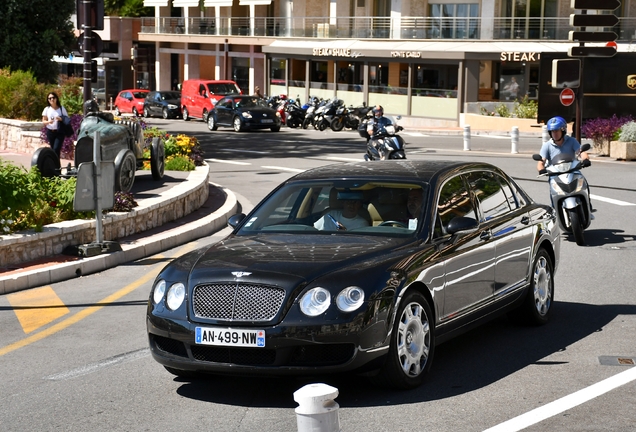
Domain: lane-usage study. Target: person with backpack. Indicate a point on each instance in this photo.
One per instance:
(52, 117)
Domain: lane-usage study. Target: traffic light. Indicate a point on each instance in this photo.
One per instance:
(597, 19)
(96, 14)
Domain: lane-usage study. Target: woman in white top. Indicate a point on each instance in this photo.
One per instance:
(51, 116)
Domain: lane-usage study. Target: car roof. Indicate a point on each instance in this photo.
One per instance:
(408, 170)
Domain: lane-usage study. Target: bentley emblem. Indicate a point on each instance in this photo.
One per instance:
(241, 274)
(631, 81)
(264, 114)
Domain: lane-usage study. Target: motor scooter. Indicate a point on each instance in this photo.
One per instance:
(569, 193)
(386, 144)
(295, 114)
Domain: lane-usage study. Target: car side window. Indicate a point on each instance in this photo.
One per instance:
(487, 188)
(201, 89)
(454, 201)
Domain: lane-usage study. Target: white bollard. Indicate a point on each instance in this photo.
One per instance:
(467, 138)
(317, 411)
(545, 135)
(515, 139)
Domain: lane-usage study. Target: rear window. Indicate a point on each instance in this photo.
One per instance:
(140, 95)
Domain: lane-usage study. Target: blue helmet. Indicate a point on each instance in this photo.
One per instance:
(556, 123)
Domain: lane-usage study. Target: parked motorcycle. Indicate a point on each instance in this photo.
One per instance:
(569, 193)
(278, 103)
(386, 144)
(295, 114)
(310, 113)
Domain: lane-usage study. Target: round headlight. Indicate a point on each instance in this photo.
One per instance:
(159, 291)
(176, 295)
(350, 299)
(315, 301)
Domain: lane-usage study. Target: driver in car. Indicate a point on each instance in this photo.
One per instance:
(346, 218)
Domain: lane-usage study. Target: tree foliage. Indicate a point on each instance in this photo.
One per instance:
(127, 8)
(32, 32)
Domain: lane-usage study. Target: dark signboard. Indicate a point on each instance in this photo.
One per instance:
(608, 84)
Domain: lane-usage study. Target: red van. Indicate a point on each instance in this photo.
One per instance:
(199, 96)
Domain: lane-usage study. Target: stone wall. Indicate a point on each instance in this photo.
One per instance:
(176, 202)
(20, 136)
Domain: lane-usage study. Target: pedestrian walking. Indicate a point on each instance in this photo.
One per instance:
(52, 118)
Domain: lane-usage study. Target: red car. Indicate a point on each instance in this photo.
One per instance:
(130, 101)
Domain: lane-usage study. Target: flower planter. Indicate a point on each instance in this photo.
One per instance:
(623, 150)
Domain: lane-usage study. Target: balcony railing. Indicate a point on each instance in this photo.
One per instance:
(405, 28)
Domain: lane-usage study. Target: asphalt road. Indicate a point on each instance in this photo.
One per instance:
(75, 355)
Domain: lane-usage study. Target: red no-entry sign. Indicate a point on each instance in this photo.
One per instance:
(567, 97)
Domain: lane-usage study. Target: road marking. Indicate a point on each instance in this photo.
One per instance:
(344, 159)
(227, 161)
(565, 403)
(295, 170)
(36, 307)
(415, 134)
(94, 367)
(610, 200)
(234, 150)
(84, 313)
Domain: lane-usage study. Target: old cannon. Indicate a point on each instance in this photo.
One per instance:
(120, 141)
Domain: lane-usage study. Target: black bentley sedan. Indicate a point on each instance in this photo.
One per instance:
(243, 113)
(166, 104)
(358, 267)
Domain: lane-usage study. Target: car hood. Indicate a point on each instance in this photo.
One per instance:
(287, 257)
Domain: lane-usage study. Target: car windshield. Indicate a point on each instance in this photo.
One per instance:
(223, 89)
(250, 102)
(356, 207)
(170, 96)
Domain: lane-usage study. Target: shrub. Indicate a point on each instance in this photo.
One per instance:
(124, 202)
(602, 130)
(183, 149)
(526, 109)
(21, 96)
(627, 132)
(502, 110)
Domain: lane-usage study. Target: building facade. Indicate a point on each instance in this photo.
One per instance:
(427, 60)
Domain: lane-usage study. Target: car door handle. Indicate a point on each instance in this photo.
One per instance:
(525, 220)
(485, 235)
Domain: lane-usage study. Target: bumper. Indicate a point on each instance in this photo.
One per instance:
(289, 350)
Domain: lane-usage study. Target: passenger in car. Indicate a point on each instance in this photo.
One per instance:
(346, 218)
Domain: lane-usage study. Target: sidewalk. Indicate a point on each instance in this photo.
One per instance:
(210, 217)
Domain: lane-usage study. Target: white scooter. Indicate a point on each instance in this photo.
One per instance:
(569, 193)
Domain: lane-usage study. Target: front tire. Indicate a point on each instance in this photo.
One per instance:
(238, 126)
(412, 344)
(125, 166)
(398, 154)
(47, 162)
(146, 112)
(157, 158)
(165, 114)
(576, 223)
(537, 305)
(338, 124)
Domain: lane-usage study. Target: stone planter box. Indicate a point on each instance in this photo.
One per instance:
(623, 150)
(503, 124)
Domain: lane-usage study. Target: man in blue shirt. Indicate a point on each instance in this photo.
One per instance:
(559, 144)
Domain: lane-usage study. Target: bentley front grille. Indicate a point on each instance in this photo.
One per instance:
(237, 302)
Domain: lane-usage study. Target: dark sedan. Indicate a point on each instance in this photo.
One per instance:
(358, 267)
(244, 113)
(165, 104)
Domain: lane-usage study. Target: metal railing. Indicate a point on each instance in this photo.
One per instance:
(450, 28)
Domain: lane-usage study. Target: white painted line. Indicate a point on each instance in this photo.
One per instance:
(228, 162)
(85, 370)
(233, 150)
(415, 134)
(610, 200)
(283, 169)
(360, 159)
(565, 403)
(492, 137)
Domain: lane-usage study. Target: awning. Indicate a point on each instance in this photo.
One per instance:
(440, 50)
(254, 2)
(151, 3)
(219, 3)
(185, 3)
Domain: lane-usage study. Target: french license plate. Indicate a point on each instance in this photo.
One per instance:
(229, 337)
(267, 121)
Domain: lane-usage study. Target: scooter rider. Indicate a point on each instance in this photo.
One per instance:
(559, 143)
(377, 123)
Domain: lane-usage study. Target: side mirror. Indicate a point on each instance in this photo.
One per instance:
(461, 224)
(537, 157)
(585, 147)
(235, 220)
